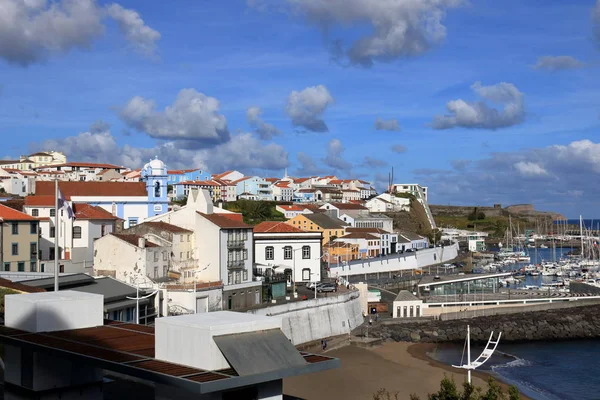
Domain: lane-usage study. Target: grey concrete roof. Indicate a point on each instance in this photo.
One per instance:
(63, 281)
(405, 295)
(111, 288)
(325, 221)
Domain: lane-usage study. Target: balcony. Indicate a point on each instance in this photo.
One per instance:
(236, 264)
(236, 243)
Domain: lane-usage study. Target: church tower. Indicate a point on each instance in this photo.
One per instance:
(155, 175)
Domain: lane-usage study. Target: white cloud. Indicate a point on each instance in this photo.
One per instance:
(396, 28)
(481, 116)
(243, 152)
(596, 22)
(141, 37)
(530, 169)
(399, 148)
(264, 130)
(334, 158)
(32, 30)
(306, 107)
(193, 117)
(387, 125)
(557, 63)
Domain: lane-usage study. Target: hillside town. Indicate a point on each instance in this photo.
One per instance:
(171, 231)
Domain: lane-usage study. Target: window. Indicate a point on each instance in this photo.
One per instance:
(7, 266)
(33, 250)
(53, 212)
(76, 232)
(156, 272)
(245, 275)
(306, 274)
(157, 189)
(287, 253)
(15, 249)
(181, 255)
(165, 270)
(156, 257)
(187, 255)
(35, 212)
(306, 252)
(15, 228)
(103, 230)
(188, 237)
(244, 254)
(269, 253)
(132, 222)
(33, 266)
(21, 267)
(164, 256)
(181, 238)
(52, 231)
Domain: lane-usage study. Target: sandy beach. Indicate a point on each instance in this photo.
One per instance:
(401, 367)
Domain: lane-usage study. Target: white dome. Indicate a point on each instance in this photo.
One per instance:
(156, 164)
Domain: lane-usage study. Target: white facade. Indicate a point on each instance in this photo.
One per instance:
(407, 308)
(17, 183)
(127, 262)
(379, 205)
(420, 192)
(292, 211)
(282, 192)
(349, 195)
(299, 252)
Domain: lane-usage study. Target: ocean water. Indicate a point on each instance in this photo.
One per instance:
(561, 370)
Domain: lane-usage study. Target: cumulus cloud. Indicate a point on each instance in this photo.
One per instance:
(557, 63)
(460, 165)
(555, 178)
(596, 22)
(399, 148)
(371, 162)
(387, 125)
(530, 169)
(32, 30)
(396, 28)
(334, 158)
(308, 165)
(264, 130)
(193, 117)
(479, 115)
(306, 107)
(99, 126)
(140, 36)
(243, 152)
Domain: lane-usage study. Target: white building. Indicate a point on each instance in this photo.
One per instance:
(291, 211)
(229, 176)
(369, 245)
(283, 247)
(420, 192)
(349, 195)
(80, 171)
(389, 240)
(126, 257)
(282, 192)
(417, 242)
(407, 305)
(76, 235)
(17, 182)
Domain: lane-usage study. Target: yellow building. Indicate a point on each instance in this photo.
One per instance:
(320, 222)
(336, 252)
(19, 234)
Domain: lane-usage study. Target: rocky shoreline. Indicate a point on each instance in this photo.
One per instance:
(560, 324)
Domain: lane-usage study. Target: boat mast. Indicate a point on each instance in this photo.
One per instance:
(581, 234)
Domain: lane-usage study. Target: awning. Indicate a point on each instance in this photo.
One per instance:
(259, 352)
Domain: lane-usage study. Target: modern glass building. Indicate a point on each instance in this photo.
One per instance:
(460, 284)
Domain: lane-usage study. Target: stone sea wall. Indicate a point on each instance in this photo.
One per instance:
(572, 323)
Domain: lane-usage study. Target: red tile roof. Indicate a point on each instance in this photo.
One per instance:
(242, 179)
(282, 185)
(198, 183)
(40, 201)
(82, 164)
(132, 239)
(360, 235)
(300, 180)
(180, 171)
(272, 180)
(276, 227)
(335, 182)
(10, 214)
(222, 174)
(95, 189)
(86, 211)
(163, 226)
(292, 207)
(224, 222)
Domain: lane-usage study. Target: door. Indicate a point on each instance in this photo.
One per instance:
(398, 312)
(229, 303)
(202, 305)
(412, 311)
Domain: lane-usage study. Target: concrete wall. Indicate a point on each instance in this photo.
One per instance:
(397, 262)
(310, 320)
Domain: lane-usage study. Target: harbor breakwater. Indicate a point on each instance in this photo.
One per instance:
(559, 324)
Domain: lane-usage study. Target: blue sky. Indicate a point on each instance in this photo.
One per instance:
(523, 134)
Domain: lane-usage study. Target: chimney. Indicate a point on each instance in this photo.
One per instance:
(142, 242)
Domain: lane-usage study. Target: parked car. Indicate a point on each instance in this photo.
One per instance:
(312, 285)
(326, 288)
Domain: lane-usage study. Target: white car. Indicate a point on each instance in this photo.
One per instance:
(312, 285)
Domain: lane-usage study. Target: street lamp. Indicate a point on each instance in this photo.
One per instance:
(137, 299)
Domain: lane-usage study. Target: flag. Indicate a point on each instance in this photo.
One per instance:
(64, 205)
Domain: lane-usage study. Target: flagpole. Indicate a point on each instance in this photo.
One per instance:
(56, 231)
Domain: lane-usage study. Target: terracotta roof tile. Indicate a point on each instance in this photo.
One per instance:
(132, 239)
(10, 214)
(222, 174)
(276, 227)
(292, 207)
(163, 226)
(95, 189)
(40, 201)
(86, 211)
(82, 164)
(224, 222)
(180, 171)
(360, 235)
